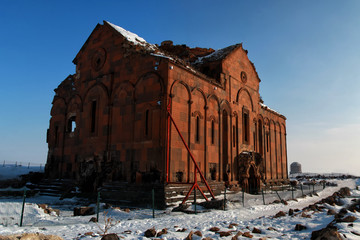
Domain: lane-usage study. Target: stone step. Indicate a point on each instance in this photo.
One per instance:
(53, 188)
(176, 192)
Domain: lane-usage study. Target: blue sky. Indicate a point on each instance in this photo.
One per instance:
(307, 54)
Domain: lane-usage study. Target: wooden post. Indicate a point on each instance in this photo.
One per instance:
(98, 206)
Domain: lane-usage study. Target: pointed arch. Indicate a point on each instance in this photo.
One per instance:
(172, 88)
(202, 94)
(247, 94)
(266, 121)
(59, 107)
(149, 87)
(225, 105)
(179, 164)
(100, 86)
(75, 100)
(126, 86)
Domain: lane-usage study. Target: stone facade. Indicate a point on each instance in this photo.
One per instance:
(109, 119)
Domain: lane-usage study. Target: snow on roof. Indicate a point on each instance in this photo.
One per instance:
(132, 37)
(163, 55)
(217, 55)
(271, 110)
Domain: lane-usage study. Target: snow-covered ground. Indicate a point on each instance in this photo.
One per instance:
(133, 224)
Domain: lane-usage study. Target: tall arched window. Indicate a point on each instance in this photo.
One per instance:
(71, 124)
(246, 128)
(234, 136)
(197, 129)
(212, 132)
(260, 138)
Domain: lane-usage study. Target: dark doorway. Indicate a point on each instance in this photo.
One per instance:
(253, 186)
(225, 165)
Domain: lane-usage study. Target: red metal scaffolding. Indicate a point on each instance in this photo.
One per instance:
(196, 170)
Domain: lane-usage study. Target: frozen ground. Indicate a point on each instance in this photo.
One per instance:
(133, 224)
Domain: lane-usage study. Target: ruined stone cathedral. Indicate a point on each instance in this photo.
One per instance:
(109, 120)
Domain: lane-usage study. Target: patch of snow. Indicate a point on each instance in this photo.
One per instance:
(161, 54)
(133, 224)
(217, 55)
(132, 37)
(267, 108)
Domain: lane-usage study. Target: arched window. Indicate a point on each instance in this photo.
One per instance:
(71, 124)
(212, 132)
(246, 127)
(234, 136)
(260, 138)
(197, 130)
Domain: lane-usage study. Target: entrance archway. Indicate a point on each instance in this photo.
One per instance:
(253, 181)
(250, 171)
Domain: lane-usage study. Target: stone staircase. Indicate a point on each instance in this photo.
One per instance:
(132, 194)
(127, 194)
(176, 192)
(53, 187)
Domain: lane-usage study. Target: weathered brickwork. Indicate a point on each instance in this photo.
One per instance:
(109, 119)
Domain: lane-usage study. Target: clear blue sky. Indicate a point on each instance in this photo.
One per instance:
(307, 54)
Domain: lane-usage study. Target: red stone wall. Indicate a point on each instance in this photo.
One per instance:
(125, 139)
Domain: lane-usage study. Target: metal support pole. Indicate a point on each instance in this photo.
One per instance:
(243, 197)
(168, 142)
(195, 198)
(22, 209)
(153, 202)
(278, 195)
(196, 166)
(97, 206)
(262, 192)
(292, 192)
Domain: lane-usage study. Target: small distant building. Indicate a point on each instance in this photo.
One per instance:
(295, 167)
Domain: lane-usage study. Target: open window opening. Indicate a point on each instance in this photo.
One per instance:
(71, 125)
